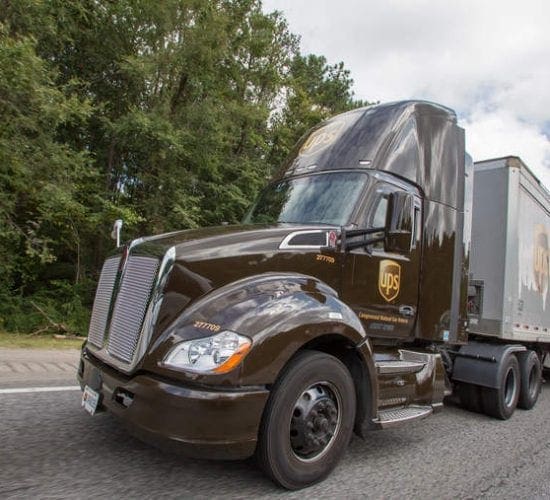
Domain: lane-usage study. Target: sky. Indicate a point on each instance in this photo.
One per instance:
(489, 60)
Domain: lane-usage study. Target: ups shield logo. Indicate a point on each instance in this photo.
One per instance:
(541, 259)
(389, 279)
(322, 138)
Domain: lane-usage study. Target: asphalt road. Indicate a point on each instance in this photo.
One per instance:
(50, 448)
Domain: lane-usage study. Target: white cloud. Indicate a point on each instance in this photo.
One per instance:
(499, 133)
(488, 60)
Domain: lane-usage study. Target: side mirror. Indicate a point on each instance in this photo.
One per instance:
(399, 223)
(115, 233)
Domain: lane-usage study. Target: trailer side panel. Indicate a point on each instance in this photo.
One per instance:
(509, 293)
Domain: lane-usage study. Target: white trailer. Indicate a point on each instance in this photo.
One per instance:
(508, 292)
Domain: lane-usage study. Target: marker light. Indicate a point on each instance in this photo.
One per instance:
(217, 354)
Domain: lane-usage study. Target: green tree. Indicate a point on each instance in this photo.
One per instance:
(41, 212)
(168, 114)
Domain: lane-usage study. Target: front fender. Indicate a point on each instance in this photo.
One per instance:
(279, 312)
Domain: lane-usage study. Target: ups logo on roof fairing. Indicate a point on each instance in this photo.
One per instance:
(323, 137)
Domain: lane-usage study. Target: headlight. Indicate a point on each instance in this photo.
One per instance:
(218, 354)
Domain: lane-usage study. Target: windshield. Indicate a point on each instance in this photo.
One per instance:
(315, 199)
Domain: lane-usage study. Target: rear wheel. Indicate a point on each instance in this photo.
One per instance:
(501, 402)
(531, 379)
(308, 420)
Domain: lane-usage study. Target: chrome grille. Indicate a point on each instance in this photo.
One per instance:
(102, 301)
(131, 306)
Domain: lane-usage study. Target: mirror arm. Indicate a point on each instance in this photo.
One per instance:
(364, 243)
(363, 232)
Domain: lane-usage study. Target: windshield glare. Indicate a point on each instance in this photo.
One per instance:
(314, 199)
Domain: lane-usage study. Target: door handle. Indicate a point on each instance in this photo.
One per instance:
(407, 311)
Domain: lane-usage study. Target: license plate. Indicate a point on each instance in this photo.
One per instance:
(90, 400)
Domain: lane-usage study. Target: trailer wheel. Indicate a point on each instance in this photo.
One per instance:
(501, 402)
(531, 379)
(308, 420)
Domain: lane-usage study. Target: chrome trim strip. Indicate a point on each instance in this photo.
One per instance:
(286, 246)
(398, 367)
(154, 306)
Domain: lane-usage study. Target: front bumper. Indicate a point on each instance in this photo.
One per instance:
(199, 423)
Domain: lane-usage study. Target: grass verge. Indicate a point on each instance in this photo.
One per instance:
(22, 340)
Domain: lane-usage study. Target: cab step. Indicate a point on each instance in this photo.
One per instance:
(397, 367)
(396, 416)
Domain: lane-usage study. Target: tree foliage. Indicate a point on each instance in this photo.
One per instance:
(169, 115)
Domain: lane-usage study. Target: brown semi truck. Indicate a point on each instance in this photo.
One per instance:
(351, 298)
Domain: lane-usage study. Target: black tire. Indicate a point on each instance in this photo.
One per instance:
(530, 371)
(470, 397)
(301, 437)
(501, 403)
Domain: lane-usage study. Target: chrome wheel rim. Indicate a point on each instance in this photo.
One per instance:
(315, 421)
(510, 387)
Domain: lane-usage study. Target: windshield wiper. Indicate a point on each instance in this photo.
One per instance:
(308, 223)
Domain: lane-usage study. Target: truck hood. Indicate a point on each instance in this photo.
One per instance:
(212, 241)
(209, 258)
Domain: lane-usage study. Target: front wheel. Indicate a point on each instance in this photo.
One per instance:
(308, 420)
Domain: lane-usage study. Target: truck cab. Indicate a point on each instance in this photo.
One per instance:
(338, 305)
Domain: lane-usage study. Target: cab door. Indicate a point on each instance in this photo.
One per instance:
(380, 280)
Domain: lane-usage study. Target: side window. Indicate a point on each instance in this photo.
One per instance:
(380, 211)
(375, 212)
(378, 215)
